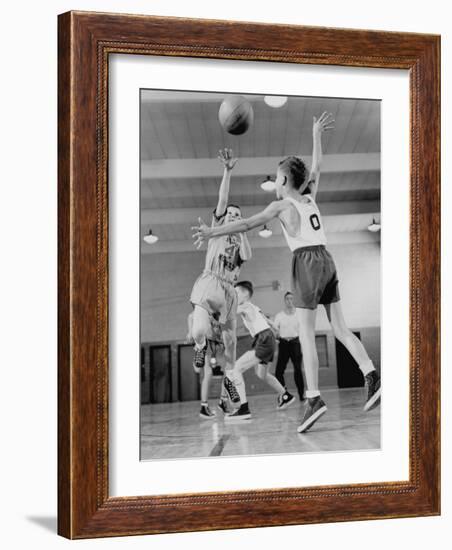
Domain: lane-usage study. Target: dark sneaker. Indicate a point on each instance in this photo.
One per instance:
(242, 413)
(199, 358)
(231, 389)
(223, 406)
(285, 400)
(373, 390)
(206, 413)
(314, 410)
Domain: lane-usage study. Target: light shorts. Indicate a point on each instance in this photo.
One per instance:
(216, 295)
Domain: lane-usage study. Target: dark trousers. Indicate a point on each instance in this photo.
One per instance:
(290, 349)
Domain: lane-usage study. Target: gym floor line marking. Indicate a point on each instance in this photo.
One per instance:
(218, 448)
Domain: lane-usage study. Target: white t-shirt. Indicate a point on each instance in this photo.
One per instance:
(287, 324)
(253, 318)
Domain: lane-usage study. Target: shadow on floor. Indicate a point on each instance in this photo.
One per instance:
(46, 522)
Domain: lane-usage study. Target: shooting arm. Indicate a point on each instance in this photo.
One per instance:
(223, 195)
(227, 159)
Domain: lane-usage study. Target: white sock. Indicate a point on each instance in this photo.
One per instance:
(367, 367)
(312, 393)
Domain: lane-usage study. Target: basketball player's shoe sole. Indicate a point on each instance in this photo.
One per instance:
(373, 391)
(314, 410)
(231, 389)
(285, 401)
(240, 415)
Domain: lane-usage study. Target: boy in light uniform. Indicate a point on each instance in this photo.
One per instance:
(213, 293)
(259, 357)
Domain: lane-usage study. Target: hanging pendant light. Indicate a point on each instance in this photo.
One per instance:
(150, 238)
(374, 227)
(265, 232)
(275, 101)
(268, 185)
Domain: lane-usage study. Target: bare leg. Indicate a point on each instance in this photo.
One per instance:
(205, 385)
(272, 381)
(247, 361)
(306, 322)
(347, 338)
(230, 343)
(200, 327)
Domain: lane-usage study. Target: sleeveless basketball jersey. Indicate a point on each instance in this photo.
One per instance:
(311, 232)
(223, 256)
(253, 318)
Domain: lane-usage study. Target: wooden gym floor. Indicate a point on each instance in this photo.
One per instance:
(175, 430)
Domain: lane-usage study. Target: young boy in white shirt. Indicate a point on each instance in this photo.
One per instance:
(259, 357)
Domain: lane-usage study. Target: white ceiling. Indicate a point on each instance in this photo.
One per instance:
(180, 139)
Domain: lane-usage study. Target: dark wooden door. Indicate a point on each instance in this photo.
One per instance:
(160, 374)
(348, 373)
(189, 381)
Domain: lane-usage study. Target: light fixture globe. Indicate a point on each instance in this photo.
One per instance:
(150, 238)
(374, 227)
(265, 232)
(268, 185)
(275, 101)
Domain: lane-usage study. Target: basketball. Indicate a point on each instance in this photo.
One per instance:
(236, 115)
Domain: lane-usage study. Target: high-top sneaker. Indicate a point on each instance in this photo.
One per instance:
(242, 413)
(373, 390)
(231, 389)
(199, 358)
(314, 410)
(285, 400)
(206, 413)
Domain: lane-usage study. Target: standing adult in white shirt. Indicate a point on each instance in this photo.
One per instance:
(287, 324)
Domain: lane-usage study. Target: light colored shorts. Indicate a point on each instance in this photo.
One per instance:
(216, 295)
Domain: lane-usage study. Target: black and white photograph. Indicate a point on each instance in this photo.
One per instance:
(260, 234)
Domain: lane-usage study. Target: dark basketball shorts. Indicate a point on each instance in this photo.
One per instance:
(314, 277)
(216, 295)
(264, 345)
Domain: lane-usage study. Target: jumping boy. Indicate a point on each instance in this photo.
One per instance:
(213, 293)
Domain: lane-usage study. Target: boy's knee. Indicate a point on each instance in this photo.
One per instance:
(198, 333)
(229, 340)
(261, 372)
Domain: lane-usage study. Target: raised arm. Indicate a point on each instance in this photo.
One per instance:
(320, 125)
(202, 232)
(228, 161)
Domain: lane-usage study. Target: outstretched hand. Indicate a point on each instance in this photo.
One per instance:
(323, 123)
(201, 233)
(226, 157)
